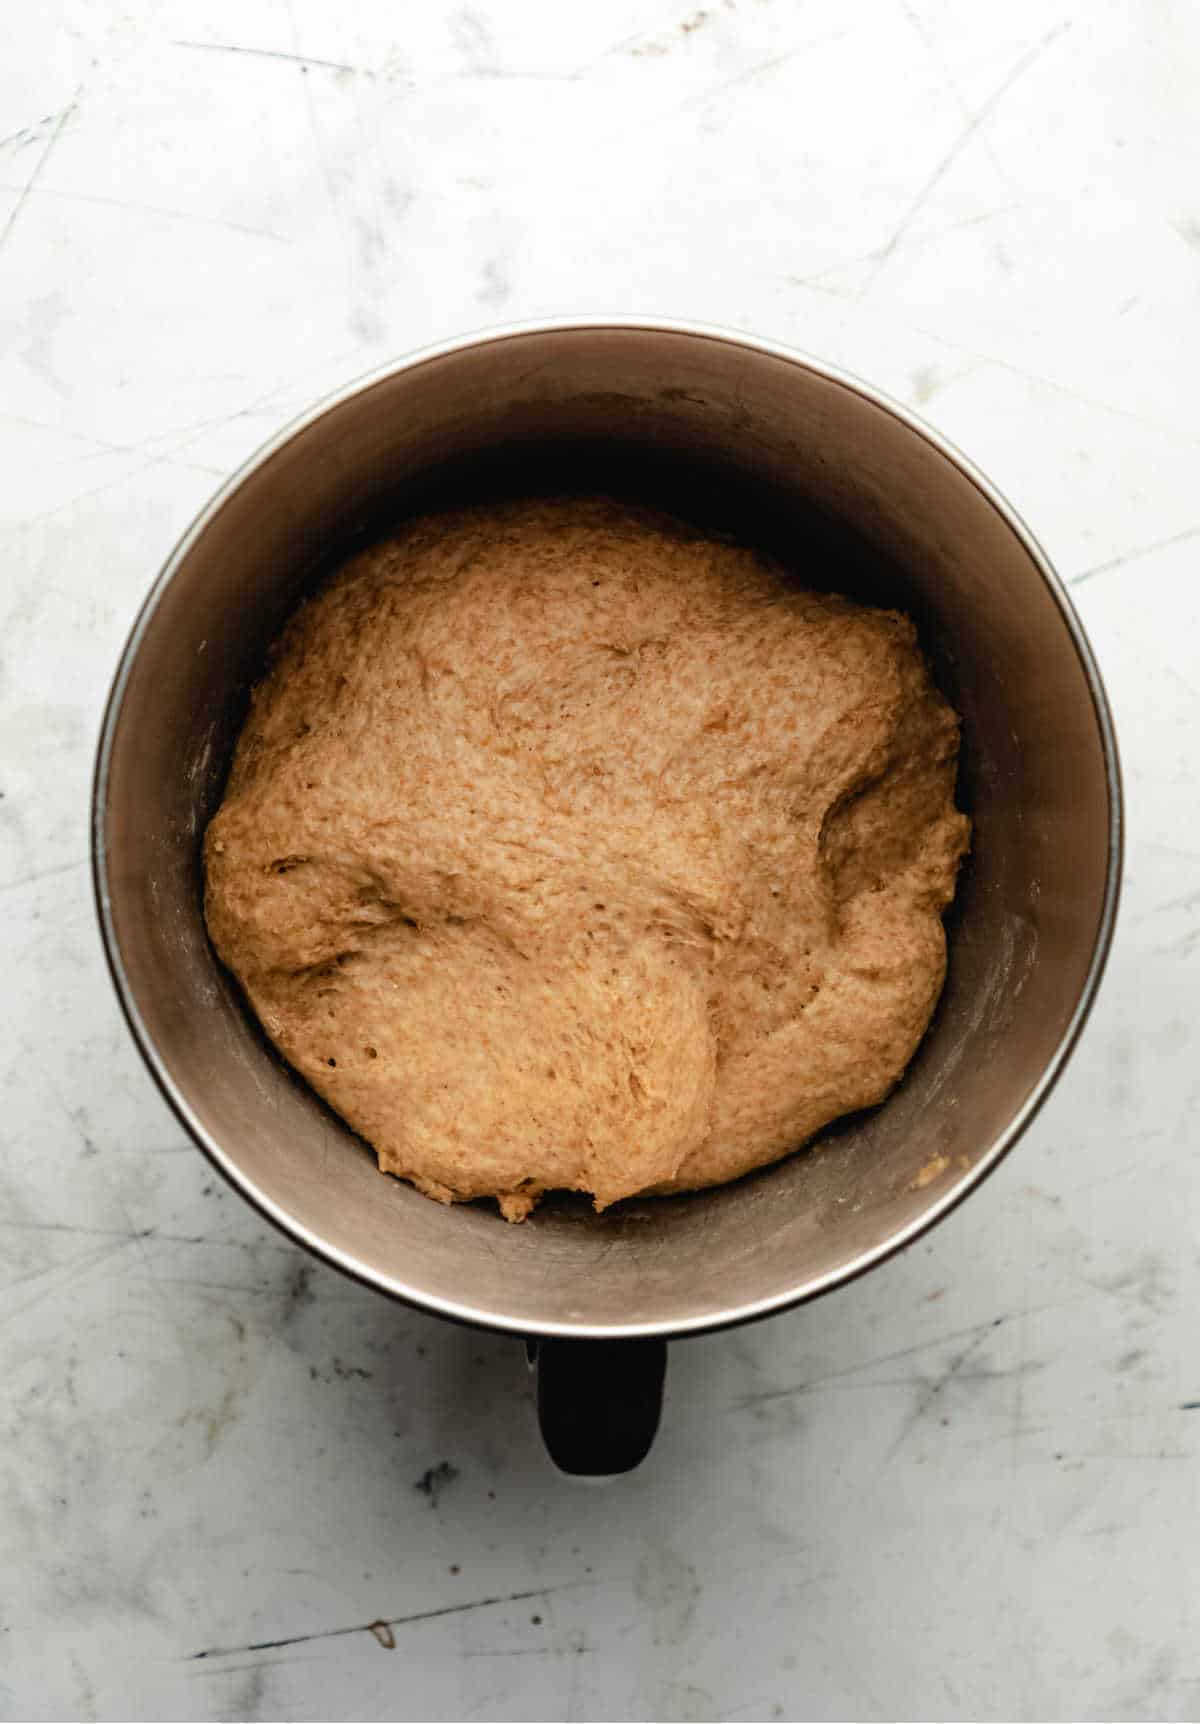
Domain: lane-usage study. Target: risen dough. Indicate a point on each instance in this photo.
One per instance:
(565, 846)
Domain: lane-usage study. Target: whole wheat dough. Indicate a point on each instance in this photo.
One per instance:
(565, 846)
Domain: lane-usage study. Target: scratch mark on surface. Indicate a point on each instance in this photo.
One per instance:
(167, 457)
(29, 134)
(1133, 556)
(261, 406)
(816, 279)
(148, 1233)
(1183, 947)
(323, 160)
(240, 1669)
(243, 1287)
(1186, 901)
(138, 1239)
(933, 1391)
(929, 43)
(758, 70)
(43, 874)
(915, 1382)
(531, 1652)
(103, 444)
(39, 169)
(511, 75)
(1023, 65)
(276, 54)
(224, 1244)
(389, 1622)
(194, 429)
(1139, 1455)
(1161, 426)
(68, 1227)
(977, 1330)
(153, 209)
(761, 68)
(624, 45)
(74, 1271)
(1171, 849)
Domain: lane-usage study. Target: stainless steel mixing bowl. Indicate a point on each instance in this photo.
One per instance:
(857, 494)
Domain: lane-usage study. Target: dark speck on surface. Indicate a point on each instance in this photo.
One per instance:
(342, 1369)
(299, 1292)
(434, 1480)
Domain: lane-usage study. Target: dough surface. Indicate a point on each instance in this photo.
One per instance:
(567, 846)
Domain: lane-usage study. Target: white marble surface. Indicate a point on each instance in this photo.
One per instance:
(963, 1488)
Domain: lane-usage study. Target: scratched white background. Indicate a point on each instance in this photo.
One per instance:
(964, 1488)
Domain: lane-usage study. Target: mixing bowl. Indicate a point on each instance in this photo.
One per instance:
(858, 495)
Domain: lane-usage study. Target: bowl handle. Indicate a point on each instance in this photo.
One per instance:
(598, 1402)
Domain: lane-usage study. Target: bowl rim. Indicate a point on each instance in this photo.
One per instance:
(463, 1311)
